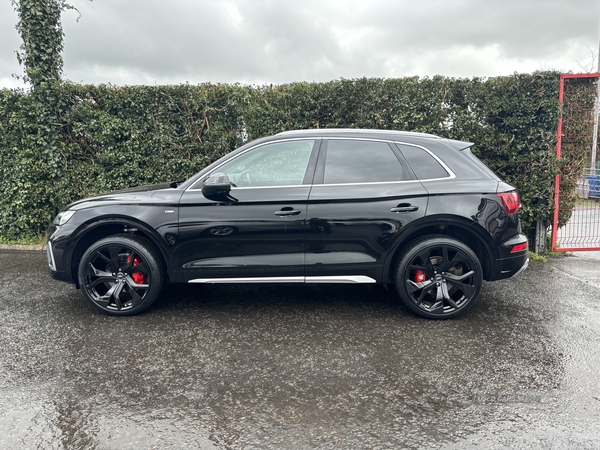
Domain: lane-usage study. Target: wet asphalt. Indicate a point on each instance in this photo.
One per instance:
(288, 367)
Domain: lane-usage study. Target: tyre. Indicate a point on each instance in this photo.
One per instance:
(121, 275)
(438, 277)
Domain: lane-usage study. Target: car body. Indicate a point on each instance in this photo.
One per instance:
(309, 206)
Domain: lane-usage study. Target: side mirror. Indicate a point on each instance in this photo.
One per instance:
(217, 187)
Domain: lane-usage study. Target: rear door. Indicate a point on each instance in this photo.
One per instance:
(363, 196)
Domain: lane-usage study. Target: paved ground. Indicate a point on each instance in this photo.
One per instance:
(274, 367)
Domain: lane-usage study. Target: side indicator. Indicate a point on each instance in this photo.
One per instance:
(169, 211)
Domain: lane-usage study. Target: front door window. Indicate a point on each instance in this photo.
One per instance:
(270, 165)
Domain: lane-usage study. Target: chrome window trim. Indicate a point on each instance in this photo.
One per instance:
(246, 151)
(269, 187)
(442, 163)
(341, 138)
(317, 185)
(451, 174)
(369, 182)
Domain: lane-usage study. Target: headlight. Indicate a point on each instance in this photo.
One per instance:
(63, 217)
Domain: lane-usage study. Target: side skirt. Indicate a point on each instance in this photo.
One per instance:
(352, 279)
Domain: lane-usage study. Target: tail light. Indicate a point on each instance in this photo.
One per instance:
(510, 201)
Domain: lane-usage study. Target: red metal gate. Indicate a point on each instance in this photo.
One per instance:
(576, 224)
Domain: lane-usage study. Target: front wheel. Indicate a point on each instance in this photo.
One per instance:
(121, 275)
(438, 277)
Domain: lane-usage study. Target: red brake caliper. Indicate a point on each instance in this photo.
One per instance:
(137, 277)
(420, 276)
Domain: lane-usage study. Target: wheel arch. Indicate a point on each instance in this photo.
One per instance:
(109, 226)
(453, 226)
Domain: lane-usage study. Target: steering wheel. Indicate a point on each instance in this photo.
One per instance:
(245, 178)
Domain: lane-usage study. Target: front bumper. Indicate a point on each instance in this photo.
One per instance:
(54, 273)
(58, 247)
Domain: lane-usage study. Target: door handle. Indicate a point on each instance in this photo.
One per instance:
(404, 208)
(287, 212)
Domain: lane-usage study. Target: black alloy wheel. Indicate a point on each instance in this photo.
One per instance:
(121, 275)
(438, 277)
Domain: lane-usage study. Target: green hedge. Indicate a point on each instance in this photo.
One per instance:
(114, 137)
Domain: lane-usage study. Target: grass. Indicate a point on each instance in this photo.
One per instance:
(586, 202)
(535, 257)
(25, 241)
(544, 258)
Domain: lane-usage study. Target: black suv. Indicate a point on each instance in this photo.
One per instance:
(312, 206)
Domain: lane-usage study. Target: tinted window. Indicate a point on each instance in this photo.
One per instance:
(422, 163)
(275, 164)
(354, 161)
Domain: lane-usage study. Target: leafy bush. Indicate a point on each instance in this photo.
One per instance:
(105, 137)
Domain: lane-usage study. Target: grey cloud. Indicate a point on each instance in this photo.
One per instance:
(522, 28)
(9, 44)
(258, 41)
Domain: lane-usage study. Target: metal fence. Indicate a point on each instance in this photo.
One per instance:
(576, 224)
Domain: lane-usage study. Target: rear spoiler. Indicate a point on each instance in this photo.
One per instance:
(459, 145)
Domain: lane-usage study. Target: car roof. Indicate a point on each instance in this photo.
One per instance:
(357, 132)
(391, 135)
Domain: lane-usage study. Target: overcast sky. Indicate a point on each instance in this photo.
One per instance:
(280, 41)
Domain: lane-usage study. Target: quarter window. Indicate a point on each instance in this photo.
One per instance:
(356, 161)
(422, 163)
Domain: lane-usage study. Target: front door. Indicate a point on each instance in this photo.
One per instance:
(258, 236)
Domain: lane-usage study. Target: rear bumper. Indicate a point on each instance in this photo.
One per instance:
(511, 264)
(510, 267)
(522, 269)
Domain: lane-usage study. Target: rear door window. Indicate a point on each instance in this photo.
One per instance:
(360, 161)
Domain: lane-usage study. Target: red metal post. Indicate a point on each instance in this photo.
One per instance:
(561, 94)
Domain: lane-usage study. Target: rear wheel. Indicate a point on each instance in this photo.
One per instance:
(121, 275)
(438, 277)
